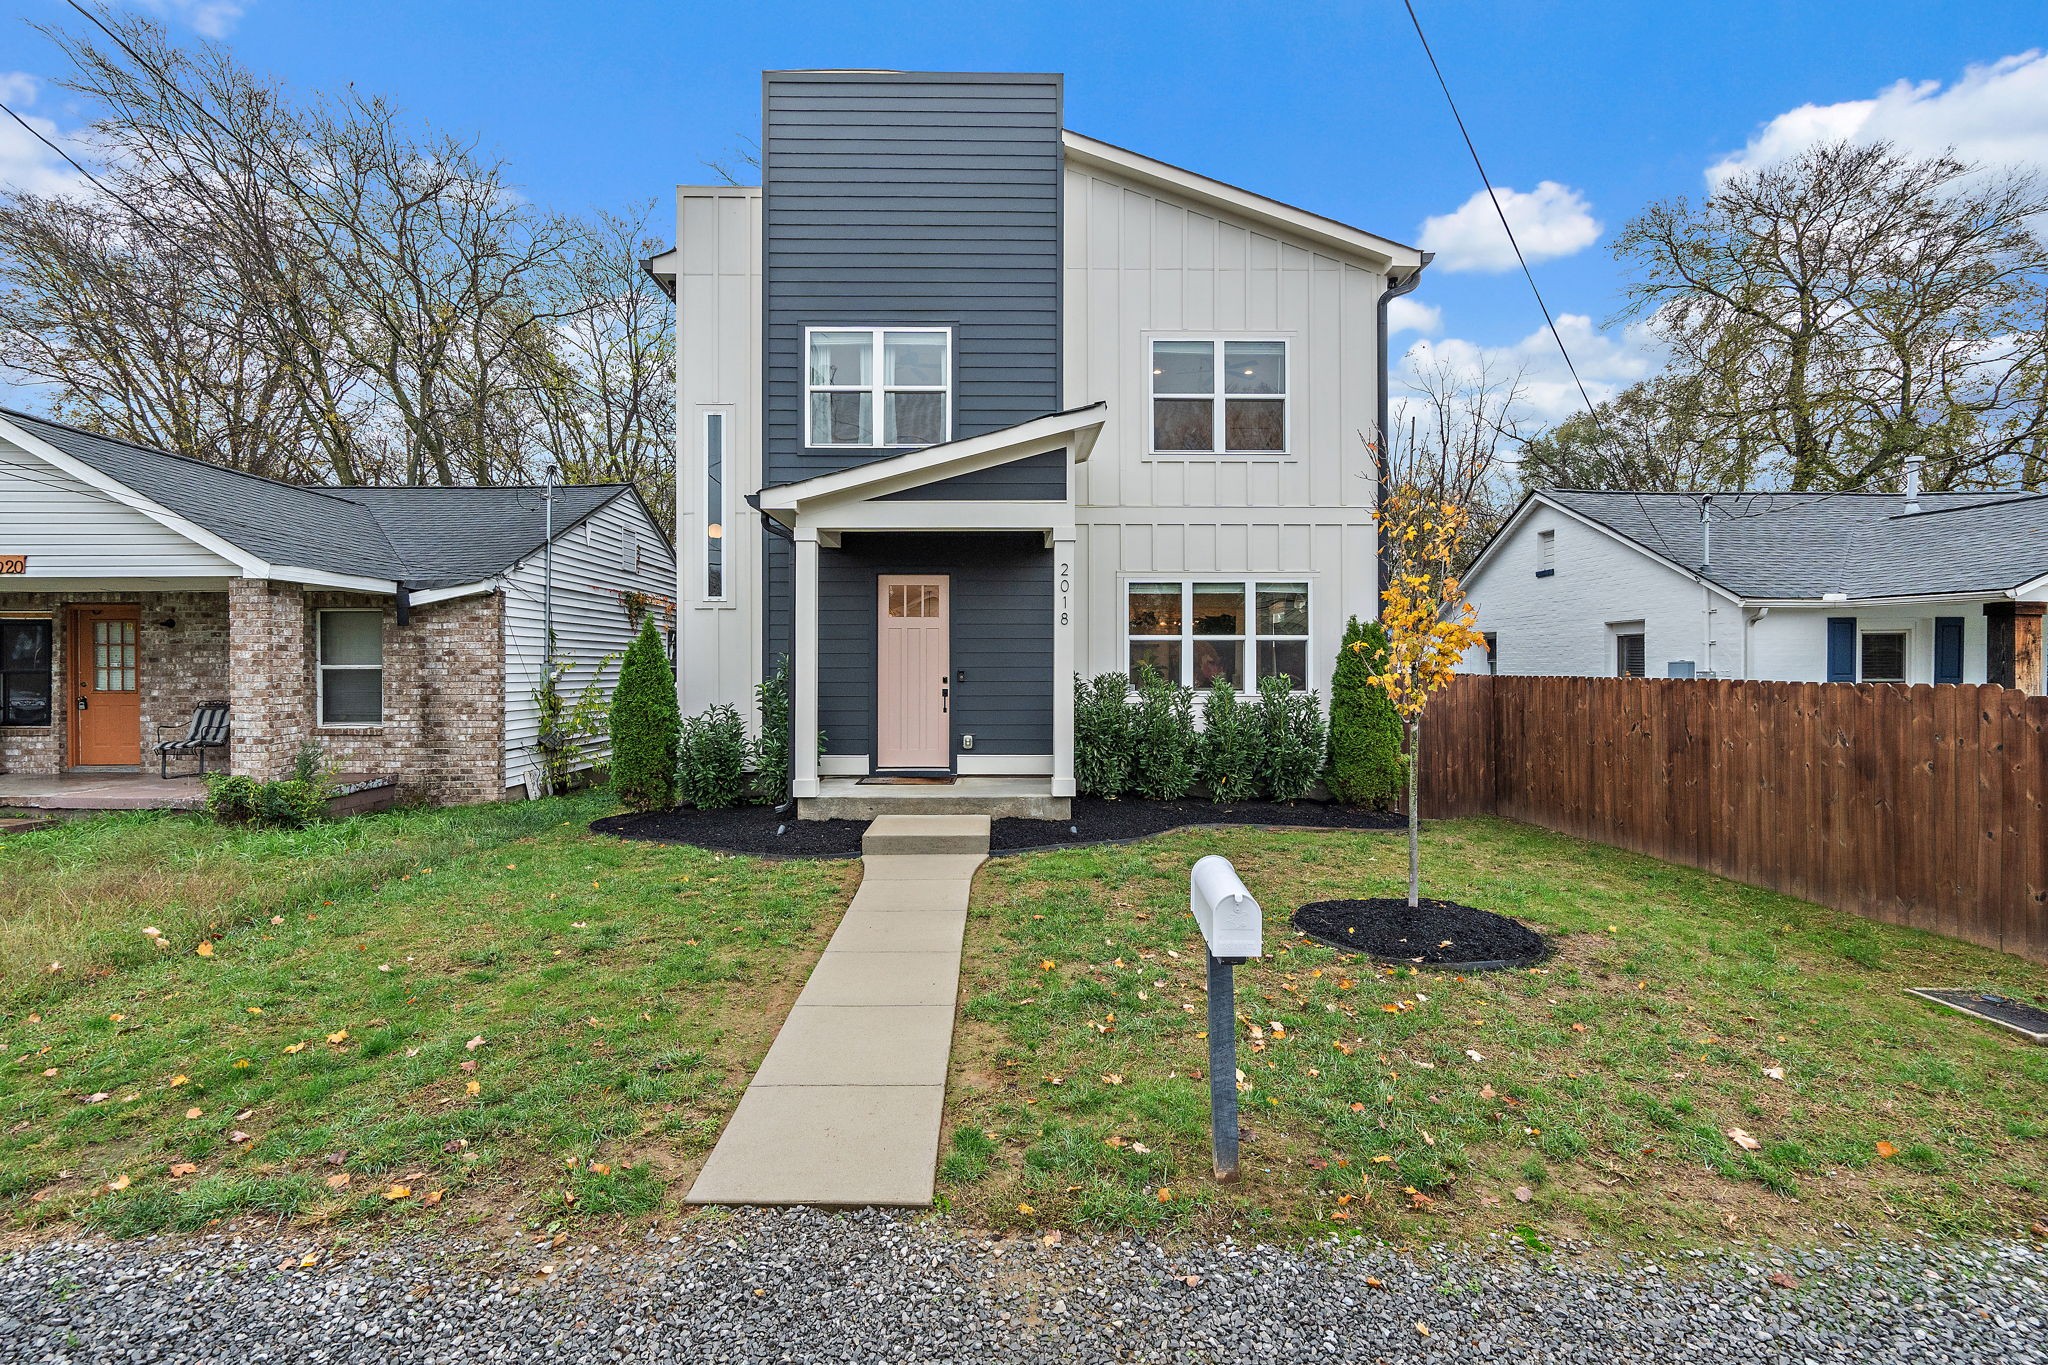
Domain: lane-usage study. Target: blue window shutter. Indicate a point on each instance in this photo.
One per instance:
(1842, 649)
(1948, 649)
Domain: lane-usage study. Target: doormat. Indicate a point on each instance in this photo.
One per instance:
(2015, 1016)
(888, 781)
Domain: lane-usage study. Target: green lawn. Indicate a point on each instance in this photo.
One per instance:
(1415, 1105)
(622, 994)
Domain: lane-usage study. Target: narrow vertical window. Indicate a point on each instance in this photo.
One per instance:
(714, 506)
(1546, 553)
(1628, 655)
(25, 672)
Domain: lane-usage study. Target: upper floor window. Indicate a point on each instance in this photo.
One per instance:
(1546, 553)
(1219, 396)
(884, 387)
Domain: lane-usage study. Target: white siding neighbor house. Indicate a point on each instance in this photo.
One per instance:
(970, 404)
(1789, 587)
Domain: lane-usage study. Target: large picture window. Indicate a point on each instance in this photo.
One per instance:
(885, 387)
(351, 667)
(25, 671)
(1195, 632)
(1219, 396)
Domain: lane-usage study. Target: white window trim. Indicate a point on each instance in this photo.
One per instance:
(720, 515)
(1187, 637)
(320, 667)
(1907, 654)
(1217, 450)
(877, 388)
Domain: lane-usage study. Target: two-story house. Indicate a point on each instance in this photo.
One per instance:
(970, 404)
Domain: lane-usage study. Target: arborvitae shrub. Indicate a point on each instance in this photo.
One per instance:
(646, 725)
(771, 751)
(1365, 732)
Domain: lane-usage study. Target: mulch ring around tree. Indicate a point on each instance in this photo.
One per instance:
(1442, 934)
(758, 830)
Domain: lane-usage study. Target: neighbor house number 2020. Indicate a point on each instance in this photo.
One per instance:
(13, 563)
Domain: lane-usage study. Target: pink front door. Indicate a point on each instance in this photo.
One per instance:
(913, 672)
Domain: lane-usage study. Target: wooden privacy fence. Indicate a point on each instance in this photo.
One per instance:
(1925, 806)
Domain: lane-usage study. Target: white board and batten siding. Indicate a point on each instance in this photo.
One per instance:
(718, 370)
(71, 530)
(1142, 265)
(592, 572)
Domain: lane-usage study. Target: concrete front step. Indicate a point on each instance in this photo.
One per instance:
(936, 801)
(920, 834)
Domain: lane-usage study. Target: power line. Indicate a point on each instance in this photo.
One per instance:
(1493, 197)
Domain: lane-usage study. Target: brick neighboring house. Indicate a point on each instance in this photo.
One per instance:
(402, 629)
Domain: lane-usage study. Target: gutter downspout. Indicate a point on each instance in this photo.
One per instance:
(776, 528)
(1382, 484)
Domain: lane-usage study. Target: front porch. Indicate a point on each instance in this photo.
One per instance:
(851, 798)
(75, 791)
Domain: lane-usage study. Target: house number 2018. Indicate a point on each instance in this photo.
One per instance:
(1066, 586)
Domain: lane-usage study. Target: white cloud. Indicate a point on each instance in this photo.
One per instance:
(1405, 314)
(1996, 114)
(208, 18)
(1551, 220)
(1607, 364)
(26, 165)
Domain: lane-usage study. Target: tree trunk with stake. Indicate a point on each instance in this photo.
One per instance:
(1414, 816)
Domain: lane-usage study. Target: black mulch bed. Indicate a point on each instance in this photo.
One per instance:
(1435, 933)
(1096, 821)
(742, 829)
(759, 830)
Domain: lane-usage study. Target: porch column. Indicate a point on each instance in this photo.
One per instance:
(269, 676)
(1065, 575)
(804, 781)
(2012, 645)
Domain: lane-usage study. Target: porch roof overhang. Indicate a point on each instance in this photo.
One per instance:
(858, 499)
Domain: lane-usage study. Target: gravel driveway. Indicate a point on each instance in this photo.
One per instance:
(804, 1286)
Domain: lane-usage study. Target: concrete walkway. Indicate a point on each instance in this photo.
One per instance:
(845, 1109)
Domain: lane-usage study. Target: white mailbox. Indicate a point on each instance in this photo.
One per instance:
(1226, 911)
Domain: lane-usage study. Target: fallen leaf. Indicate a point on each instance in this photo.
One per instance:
(1026, 1210)
(1886, 1150)
(204, 950)
(1776, 1073)
(468, 1065)
(294, 1049)
(1523, 1194)
(1475, 1056)
(1112, 1079)
(1486, 1092)
(1745, 1141)
(177, 1081)
(1051, 1239)
(239, 1136)
(335, 1182)
(336, 1158)
(1781, 1280)
(194, 1112)
(1422, 1328)
(1373, 1282)
(474, 1088)
(340, 1035)
(475, 1043)
(397, 1192)
(431, 1197)
(1165, 1195)
(1141, 1149)
(1191, 1281)
(1047, 965)
(119, 1182)
(182, 1168)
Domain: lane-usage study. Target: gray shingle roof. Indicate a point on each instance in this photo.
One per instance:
(427, 537)
(1807, 545)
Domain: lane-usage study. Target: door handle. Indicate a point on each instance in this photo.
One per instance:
(945, 696)
(82, 704)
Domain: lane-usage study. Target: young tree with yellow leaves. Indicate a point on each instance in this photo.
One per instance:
(1428, 620)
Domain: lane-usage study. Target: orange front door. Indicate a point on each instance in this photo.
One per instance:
(913, 673)
(106, 690)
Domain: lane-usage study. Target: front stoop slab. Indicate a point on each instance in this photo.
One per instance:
(833, 1146)
(901, 834)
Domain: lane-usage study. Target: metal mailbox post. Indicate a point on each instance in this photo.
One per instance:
(1233, 933)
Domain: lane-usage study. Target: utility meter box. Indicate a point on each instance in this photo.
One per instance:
(1229, 917)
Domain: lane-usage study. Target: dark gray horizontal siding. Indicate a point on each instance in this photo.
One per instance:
(1035, 477)
(1001, 635)
(912, 198)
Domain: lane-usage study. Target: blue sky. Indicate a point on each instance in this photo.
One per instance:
(1590, 109)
